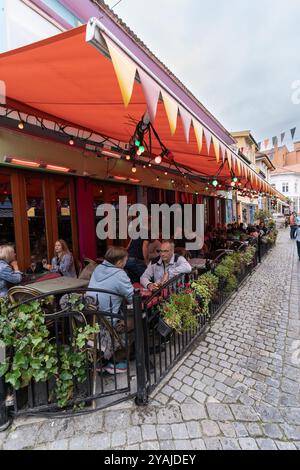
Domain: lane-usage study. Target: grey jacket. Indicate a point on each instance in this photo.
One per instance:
(107, 277)
(65, 267)
(8, 276)
(155, 272)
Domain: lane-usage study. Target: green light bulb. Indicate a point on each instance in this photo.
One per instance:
(141, 149)
(137, 143)
(215, 183)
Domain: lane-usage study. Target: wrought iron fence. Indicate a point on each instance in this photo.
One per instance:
(136, 335)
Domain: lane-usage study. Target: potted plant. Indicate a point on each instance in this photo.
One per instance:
(180, 312)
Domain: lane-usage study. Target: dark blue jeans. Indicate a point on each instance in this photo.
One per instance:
(293, 230)
(135, 268)
(298, 248)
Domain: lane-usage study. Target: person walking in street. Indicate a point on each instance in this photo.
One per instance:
(293, 225)
(297, 238)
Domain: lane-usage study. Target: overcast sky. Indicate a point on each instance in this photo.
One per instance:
(238, 57)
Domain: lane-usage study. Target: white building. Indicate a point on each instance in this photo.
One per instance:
(287, 180)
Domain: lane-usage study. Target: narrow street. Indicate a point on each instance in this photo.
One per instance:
(238, 389)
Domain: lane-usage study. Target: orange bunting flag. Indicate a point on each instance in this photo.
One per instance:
(216, 148)
(198, 129)
(125, 69)
(171, 108)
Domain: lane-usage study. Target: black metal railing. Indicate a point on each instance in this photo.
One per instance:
(102, 351)
(136, 335)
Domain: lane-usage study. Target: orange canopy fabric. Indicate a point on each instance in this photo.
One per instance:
(67, 78)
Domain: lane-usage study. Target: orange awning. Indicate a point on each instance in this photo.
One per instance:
(64, 76)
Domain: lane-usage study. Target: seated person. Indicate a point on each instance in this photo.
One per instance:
(110, 276)
(9, 270)
(62, 262)
(166, 267)
(153, 249)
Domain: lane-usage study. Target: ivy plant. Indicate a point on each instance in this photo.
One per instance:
(33, 355)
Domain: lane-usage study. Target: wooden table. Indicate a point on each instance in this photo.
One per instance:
(61, 283)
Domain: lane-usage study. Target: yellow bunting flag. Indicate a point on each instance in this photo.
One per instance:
(171, 108)
(125, 70)
(229, 159)
(198, 129)
(216, 147)
(238, 163)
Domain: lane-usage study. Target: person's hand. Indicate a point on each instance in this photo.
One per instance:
(14, 265)
(153, 286)
(164, 279)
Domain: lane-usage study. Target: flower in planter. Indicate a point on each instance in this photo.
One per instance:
(181, 312)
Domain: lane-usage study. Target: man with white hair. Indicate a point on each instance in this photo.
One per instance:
(9, 270)
(164, 268)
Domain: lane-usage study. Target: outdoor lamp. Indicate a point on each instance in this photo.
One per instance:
(158, 159)
(71, 142)
(127, 157)
(214, 183)
(235, 179)
(21, 125)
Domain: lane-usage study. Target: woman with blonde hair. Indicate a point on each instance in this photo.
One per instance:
(9, 270)
(62, 262)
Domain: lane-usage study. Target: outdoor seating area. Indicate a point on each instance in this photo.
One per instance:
(78, 348)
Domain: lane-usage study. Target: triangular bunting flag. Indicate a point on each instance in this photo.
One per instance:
(259, 146)
(229, 159)
(216, 147)
(234, 160)
(171, 108)
(208, 136)
(186, 119)
(151, 92)
(266, 143)
(293, 131)
(238, 163)
(223, 150)
(198, 129)
(275, 141)
(282, 136)
(125, 70)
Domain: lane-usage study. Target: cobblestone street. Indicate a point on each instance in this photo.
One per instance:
(239, 388)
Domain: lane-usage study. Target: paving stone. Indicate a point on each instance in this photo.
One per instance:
(290, 431)
(212, 443)
(219, 412)
(227, 429)
(183, 445)
(272, 430)
(151, 445)
(198, 444)
(193, 412)
(179, 396)
(229, 444)
(134, 435)
(247, 443)
(266, 444)
(118, 438)
(285, 445)
(167, 445)
(179, 431)
(149, 432)
(164, 432)
(244, 413)
(169, 415)
(194, 430)
(210, 428)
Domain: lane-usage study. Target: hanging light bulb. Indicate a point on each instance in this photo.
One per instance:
(149, 165)
(158, 159)
(235, 179)
(214, 183)
(127, 157)
(21, 125)
(137, 142)
(71, 142)
(172, 181)
(157, 178)
(133, 169)
(232, 184)
(144, 166)
(207, 188)
(166, 173)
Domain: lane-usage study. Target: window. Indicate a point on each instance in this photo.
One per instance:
(7, 231)
(285, 187)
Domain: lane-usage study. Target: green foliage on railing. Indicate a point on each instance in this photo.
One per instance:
(33, 355)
